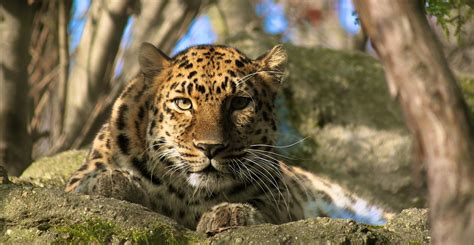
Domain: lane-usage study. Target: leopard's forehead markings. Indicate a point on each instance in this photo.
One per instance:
(208, 70)
(215, 53)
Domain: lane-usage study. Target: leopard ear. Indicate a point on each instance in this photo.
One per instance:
(273, 61)
(151, 59)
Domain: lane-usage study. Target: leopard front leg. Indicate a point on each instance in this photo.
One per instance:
(228, 215)
(116, 183)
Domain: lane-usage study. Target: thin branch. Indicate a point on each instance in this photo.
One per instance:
(63, 69)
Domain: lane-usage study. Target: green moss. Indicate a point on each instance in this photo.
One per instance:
(376, 226)
(95, 231)
(100, 231)
(162, 234)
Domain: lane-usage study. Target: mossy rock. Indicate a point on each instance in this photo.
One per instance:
(38, 215)
(54, 171)
(409, 227)
(334, 87)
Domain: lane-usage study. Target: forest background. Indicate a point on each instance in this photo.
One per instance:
(70, 60)
(65, 62)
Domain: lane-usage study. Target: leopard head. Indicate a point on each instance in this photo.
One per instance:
(212, 110)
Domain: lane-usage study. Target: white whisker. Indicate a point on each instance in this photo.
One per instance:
(272, 181)
(280, 146)
(295, 177)
(260, 180)
(271, 152)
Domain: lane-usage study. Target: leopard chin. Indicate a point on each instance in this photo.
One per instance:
(211, 181)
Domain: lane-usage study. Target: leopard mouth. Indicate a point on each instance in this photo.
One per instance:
(209, 169)
(212, 167)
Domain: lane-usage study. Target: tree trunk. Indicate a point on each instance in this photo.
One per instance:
(15, 140)
(59, 94)
(94, 62)
(234, 17)
(161, 23)
(435, 112)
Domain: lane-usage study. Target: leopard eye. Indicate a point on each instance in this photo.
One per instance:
(183, 104)
(239, 103)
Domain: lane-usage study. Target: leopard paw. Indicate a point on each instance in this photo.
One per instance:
(226, 216)
(117, 183)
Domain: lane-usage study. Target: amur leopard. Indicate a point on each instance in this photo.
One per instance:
(192, 137)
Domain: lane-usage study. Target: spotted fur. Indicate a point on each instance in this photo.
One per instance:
(193, 139)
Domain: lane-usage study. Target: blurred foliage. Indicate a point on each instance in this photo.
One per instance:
(451, 13)
(467, 85)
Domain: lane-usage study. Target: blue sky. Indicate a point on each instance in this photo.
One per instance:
(200, 32)
(274, 20)
(347, 16)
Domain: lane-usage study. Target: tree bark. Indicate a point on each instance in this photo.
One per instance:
(94, 64)
(61, 85)
(420, 79)
(234, 17)
(161, 23)
(15, 140)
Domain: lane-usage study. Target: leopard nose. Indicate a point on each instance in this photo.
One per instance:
(210, 150)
